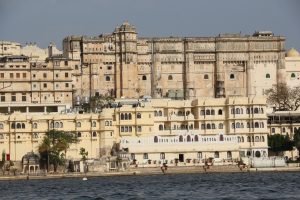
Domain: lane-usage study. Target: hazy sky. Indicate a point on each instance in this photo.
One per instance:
(45, 21)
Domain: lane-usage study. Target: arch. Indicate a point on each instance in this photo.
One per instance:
(56, 125)
(196, 138)
(256, 139)
(242, 138)
(229, 155)
(242, 125)
(126, 116)
(179, 113)
(199, 155)
(233, 126)
(242, 111)
(212, 112)
(206, 76)
(237, 111)
(220, 112)
(257, 154)
(208, 126)
(256, 125)
(202, 112)
(220, 125)
(202, 126)
(1, 136)
(51, 125)
(207, 112)
(170, 77)
(34, 125)
(238, 125)
(188, 139)
(94, 134)
(61, 125)
(155, 113)
(180, 138)
(255, 110)
(247, 111)
(213, 126)
(262, 125)
(106, 123)
(93, 124)
(23, 125)
(19, 125)
(268, 76)
(138, 115)
(221, 137)
(273, 130)
(262, 139)
(79, 134)
(107, 78)
(78, 124)
(248, 139)
(261, 110)
(293, 75)
(217, 154)
(161, 127)
(122, 116)
(248, 125)
(155, 139)
(231, 76)
(144, 77)
(129, 116)
(232, 111)
(160, 113)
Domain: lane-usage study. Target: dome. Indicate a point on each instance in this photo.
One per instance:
(292, 53)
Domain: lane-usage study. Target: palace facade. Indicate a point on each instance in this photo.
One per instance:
(155, 129)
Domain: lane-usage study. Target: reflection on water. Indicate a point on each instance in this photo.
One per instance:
(185, 186)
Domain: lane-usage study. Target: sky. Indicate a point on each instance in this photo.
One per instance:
(45, 21)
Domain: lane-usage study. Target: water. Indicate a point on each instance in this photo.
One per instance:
(184, 186)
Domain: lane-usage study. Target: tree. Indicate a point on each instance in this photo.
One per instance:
(284, 97)
(101, 101)
(84, 155)
(54, 147)
(279, 143)
(297, 139)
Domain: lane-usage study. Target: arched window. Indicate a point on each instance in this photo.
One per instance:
(242, 111)
(256, 139)
(242, 139)
(238, 125)
(293, 75)
(93, 124)
(188, 139)
(208, 126)
(1, 136)
(213, 126)
(179, 113)
(170, 77)
(129, 116)
(106, 123)
(267, 75)
(34, 125)
(261, 110)
(107, 78)
(159, 113)
(94, 134)
(248, 139)
(180, 138)
(231, 76)
(78, 134)
(202, 112)
(202, 126)
(242, 125)
(155, 139)
(207, 112)
(138, 115)
(255, 110)
(248, 125)
(155, 113)
(221, 138)
(256, 125)
(262, 138)
(78, 124)
(61, 125)
(199, 155)
(229, 155)
(237, 111)
(262, 125)
(217, 155)
(56, 125)
(161, 127)
(126, 116)
(247, 111)
(232, 110)
(206, 76)
(196, 138)
(233, 126)
(122, 116)
(1, 126)
(220, 112)
(51, 125)
(19, 126)
(220, 126)
(212, 112)
(144, 77)
(273, 130)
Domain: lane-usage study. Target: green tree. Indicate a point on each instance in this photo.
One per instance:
(297, 139)
(54, 147)
(83, 154)
(101, 101)
(279, 143)
(284, 97)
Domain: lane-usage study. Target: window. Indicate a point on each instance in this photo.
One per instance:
(78, 134)
(180, 138)
(23, 96)
(160, 127)
(155, 139)
(196, 139)
(78, 124)
(67, 85)
(170, 77)
(66, 75)
(283, 130)
(293, 75)
(45, 85)
(11, 75)
(188, 139)
(144, 77)
(220, 112)
(33, 75)
(213, 126)
(139, 128)
(2, 75)
(217, 155)
(139, 116)
(66, 63)
(199, 155)
(13, 97)
(109, 67)
(56, 125)
(2, 97)
(1, 136)
(18, 75)
(162, 156)
(212, 112)
(220, 126)
(273, 130)
(229, 155)
(267, 75)
(132, 156)
(208, 126)
(145, 156)
(34, 125)
(1, 126)
(45, 75)
(24, 75)
(207, 112)
(94, 124)
(221, 138)
(94, 134)
(107, 78)
(61, 125)
(256, 125)
(231, 76)
(205, 76)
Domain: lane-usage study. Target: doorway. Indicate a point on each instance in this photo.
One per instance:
(181, 157)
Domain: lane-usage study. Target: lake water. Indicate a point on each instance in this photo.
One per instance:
(179, 186)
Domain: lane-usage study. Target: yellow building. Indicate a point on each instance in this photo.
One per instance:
(151, 130)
